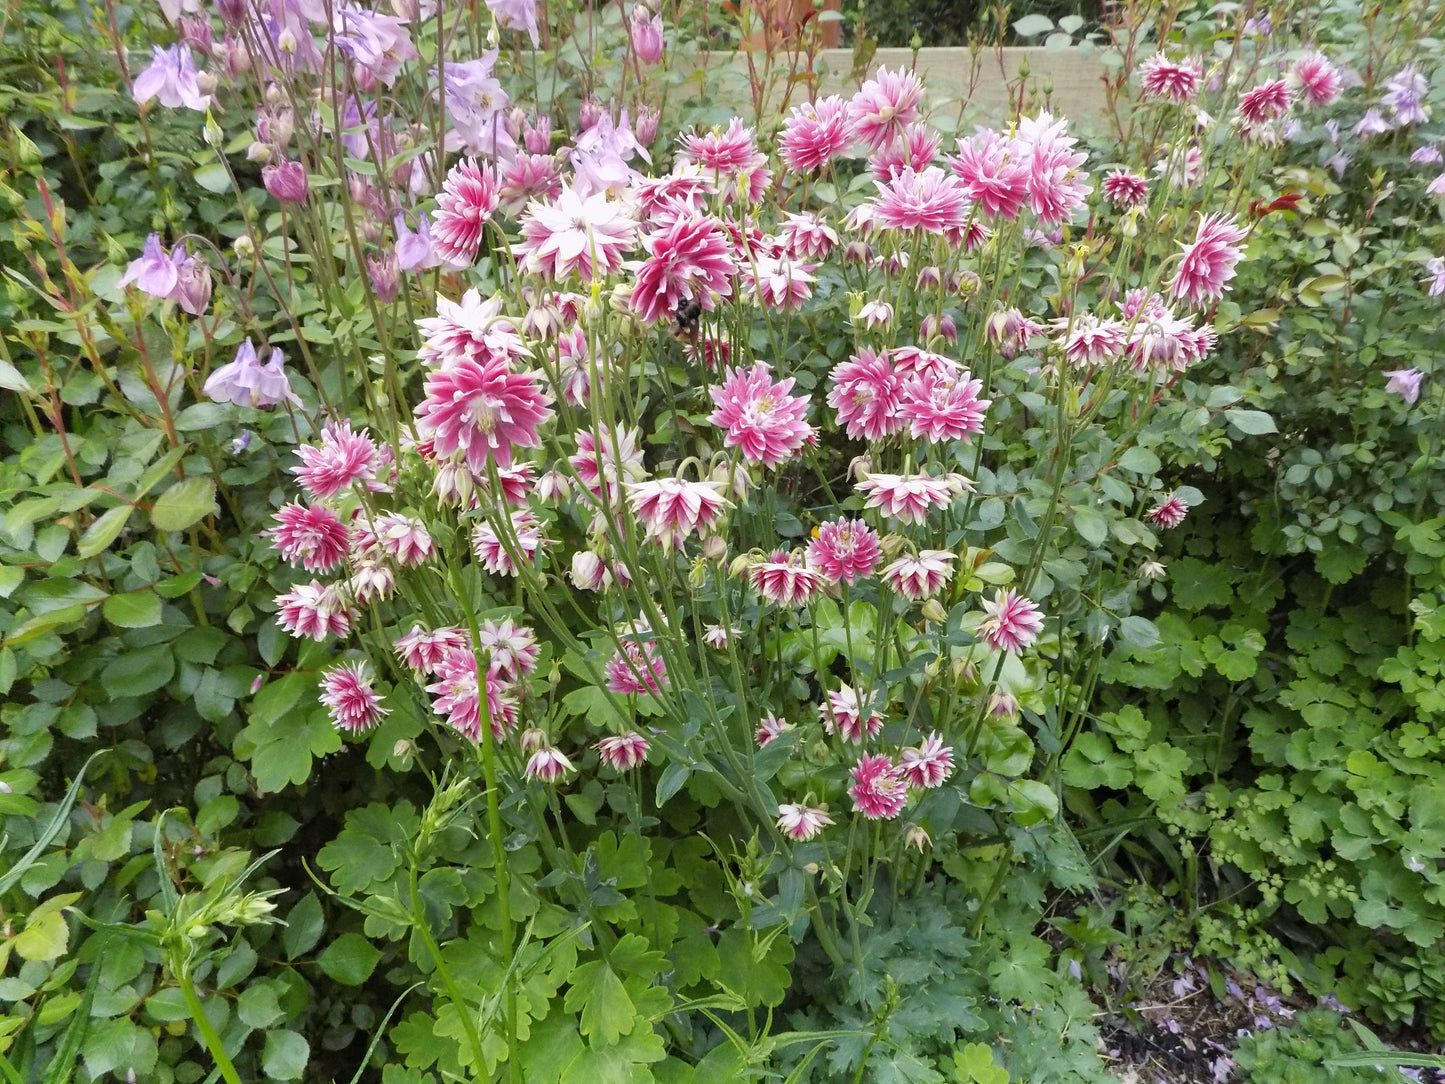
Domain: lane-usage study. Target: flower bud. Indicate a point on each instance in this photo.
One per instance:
(915, 836)
(537, 135)
(588, 113)
(588, 571)
(258, 152)
(930, 278)
(934, 611)
(646, 35)
(233, 12)
(385, 275)
(741, 563)
(532, 739)
(286, 180)
(715, 548)
(24, 148)
(892, 545)
(1002, 704)
(553, 486)
(211, 131)
(193, 285)
(244, 247)
(453, 485)
(644, 125)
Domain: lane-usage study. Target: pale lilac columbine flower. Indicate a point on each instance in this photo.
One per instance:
(575, 235)
(342, 459)
(464, 205)
(286, 180)
(785, 579)
(351, 699)
(1013, 622)
(1405, 383)
(1435, 268)
(919, 577)
(878, 790)
(171, 76)
(1169, 512)
(482, 409)
(314, 611)
(850, 716)
(671, 509)
(907, 498)
(1405, 97)
(814, 134)
(246, 382)
(378, 44)
(883, 107)
(548, 765)
(193, 286)
(1426, 155)
(927, 766)
(802, 823)
(1208, 261)
(636, 668)
(156, 271)
(1171, 80)
(516, 15)
(624, 751)
(414, 250)
(845, 550)
(312, 537)
(646, 36)
(423, 651)
(1317, 80)
(770, 727)
(761, 418)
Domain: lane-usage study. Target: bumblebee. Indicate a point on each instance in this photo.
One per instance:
(686, 321)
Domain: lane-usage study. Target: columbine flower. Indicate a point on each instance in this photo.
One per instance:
(778, 282)
(1208, 262)
(878, 791)
(915, 149)
(921, 576)
(1089, 341)
(874, 314)
(801, 823)
(246, 382)
(469, 328)
(646, 35)
(171, 76)
(1405, 383)
(994, 173)
(718, 636)
(155, 271)
(482, 409)
(497, 556)
(1435, 268)
(866, 393)
(516, 15)
(1316, 79)
(691, 260)
(343, 459)
(671, 509)
(465, 203)
(1172, 80)
(814, 134)
(1151, 570)
(636, 668)
(784, 578)
(806, 236)
(939, 408)
(1125, 189)
(351, 699)
(1436, 187)
(1055, 184)
(769, 727)
(1405, 97)
(458, 693)
(930, 201)
(424, 651)
(309, 609)
(884, 107)
(927, 766)
(760, 417)
(1266, 102)
(1013, 622)
(415, 251)
(907, 498)
(1169, 512)
(605, 460)
(404, 539)
(624, 751)
(849, 716)
(286, 180)
(572, 234)
(314, 537)
(548, 765)
(845, 549)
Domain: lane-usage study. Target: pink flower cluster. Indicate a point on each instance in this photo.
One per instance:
(927, 395)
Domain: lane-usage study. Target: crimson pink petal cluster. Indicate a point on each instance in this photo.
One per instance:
(1126, 189)
(351, 698)
(928, 765)
(458, 692)
(586, 236)
(314, 611)
(1208, 261)
(921, 576)
(785, 579)
(1012, 622)
(762, 420)
(929, 201)
(878, 789)
(636, 668)
(483, 410)
(939, 408)
(465, 203)
(314, 537)
(851, 716)
(908, 498)
(342, 459)
(1266, 102)
(689, 260)
(624, 751)
(883, 107)
(1169, 512)
(994, 173)
(845, 550)
(1176, 81)
(814, 134)
(1316, 78)
(671, 509)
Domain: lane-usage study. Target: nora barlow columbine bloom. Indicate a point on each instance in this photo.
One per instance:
(878, 791)
(1124, 188)
(1317, 79)
(784, 578)
(636, 668)
(1405, 383)
(927, 766)
(939, 408)
(907, 498)
(1013, 622)
(845, 549)
(1208, 261)
(351, 699)
(761, 418)
(483, 409)
(921, 576)
(343, 459)
(1266, 102)
(850, 715)
(814, 134)
(575, 235)
(671, 509)
(689, 260)
(802, 823)
(884, 107)
(929, 200)
(314, 537)
(548, 765)
(465, 203)
(624, 751)
(1172, 80)
(313, 611)
(1169, 512)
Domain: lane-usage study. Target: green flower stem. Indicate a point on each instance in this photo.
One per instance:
(208, 1032)
(419, 923)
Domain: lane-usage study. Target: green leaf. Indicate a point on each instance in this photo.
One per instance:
(1093, 528)
(607, 1011)
(45, 936)
(133, 610)
(213, 178)
(100, 534)
(673, 777)
(350, 959)
(285, 1055)
(184, 504)
(257, 1007)
(1139, 632)
(1252, 423)
(1140, 461)
(138, 673)
(303, 926)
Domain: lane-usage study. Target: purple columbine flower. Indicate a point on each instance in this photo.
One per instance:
(385, 275)
(1405, 383)
(646, 36)
(517, 15)
(1405, 96)
(379, 44)
(171, 77)
(246, 382)
(414, 251)
(286, 180)
(155, 271)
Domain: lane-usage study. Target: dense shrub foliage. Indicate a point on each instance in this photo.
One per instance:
(493, 587)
